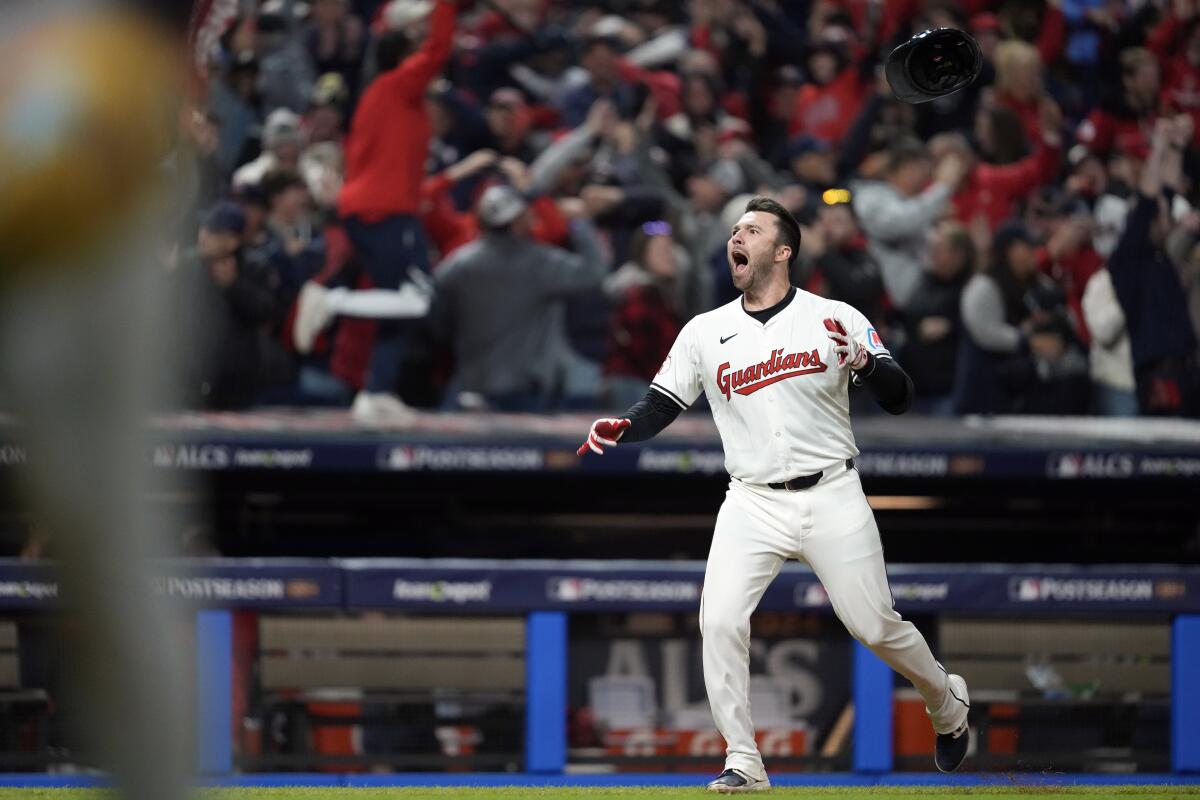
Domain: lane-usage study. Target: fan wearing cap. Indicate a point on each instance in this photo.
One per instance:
(326, 117)
(449, 228)
(227, 299)
(498, 306)
(1065, 224)
(323, 162)
(283, 141)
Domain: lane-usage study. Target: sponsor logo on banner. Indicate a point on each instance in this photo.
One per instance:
(1169, 467)
(188, 456)
(813, 595)
(219, 456)
(921, 592)
(1090, 465)
(595, 590)
(12, 455)
(460, 459)
(221, 589)
(1080, 590)
(1170, 590)
(28, 590)
(254, 458)
(397, 458)
(302, 589)
(902, 465)
(810, 595)
(967, 465)
(561, 459)
(457, 592)
(706, 462)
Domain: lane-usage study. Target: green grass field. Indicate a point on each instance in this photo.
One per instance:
(617, 793)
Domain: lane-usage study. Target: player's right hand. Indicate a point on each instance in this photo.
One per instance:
(604, 433)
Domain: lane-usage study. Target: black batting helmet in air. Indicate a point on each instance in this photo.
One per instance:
(933, 64)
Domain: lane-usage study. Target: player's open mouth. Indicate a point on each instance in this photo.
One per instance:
(740, 261)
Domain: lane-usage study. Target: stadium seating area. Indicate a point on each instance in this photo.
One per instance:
(1027, 245)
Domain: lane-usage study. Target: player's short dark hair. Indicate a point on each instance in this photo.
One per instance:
(789, 229)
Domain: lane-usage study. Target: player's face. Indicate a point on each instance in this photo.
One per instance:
(751, 249)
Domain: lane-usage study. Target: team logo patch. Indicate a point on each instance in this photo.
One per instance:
(873, 340)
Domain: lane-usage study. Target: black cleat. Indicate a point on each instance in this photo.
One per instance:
(732, 780)
(951, 749)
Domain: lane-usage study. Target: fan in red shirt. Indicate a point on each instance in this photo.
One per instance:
(351, 345)
(450, 228)
(990, 191)
(878, 23)
(645, 319)
(1064, 223)
(1019, 84)
(1125, 121)
(1178, 46)
(827, 105)
(378, 207)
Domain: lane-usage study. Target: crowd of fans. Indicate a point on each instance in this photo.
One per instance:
(517, 204)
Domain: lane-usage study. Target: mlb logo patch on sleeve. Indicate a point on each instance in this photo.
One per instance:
(873, 340)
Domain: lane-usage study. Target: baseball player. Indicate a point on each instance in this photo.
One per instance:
(776, 366)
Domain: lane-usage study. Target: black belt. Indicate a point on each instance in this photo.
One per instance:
(805, 481)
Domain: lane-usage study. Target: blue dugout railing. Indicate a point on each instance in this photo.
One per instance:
(547, 593)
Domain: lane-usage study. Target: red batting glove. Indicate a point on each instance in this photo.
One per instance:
(848, 351)
(604, 433)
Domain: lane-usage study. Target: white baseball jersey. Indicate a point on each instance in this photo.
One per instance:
(778, 397)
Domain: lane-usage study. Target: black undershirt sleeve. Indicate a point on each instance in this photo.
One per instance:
(888, 381)
(648, 416)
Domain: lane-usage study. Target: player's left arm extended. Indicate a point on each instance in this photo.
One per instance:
(888, 381)
(644, 420)
(675, 387)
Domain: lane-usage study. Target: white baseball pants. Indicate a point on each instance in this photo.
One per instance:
(831, 527)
